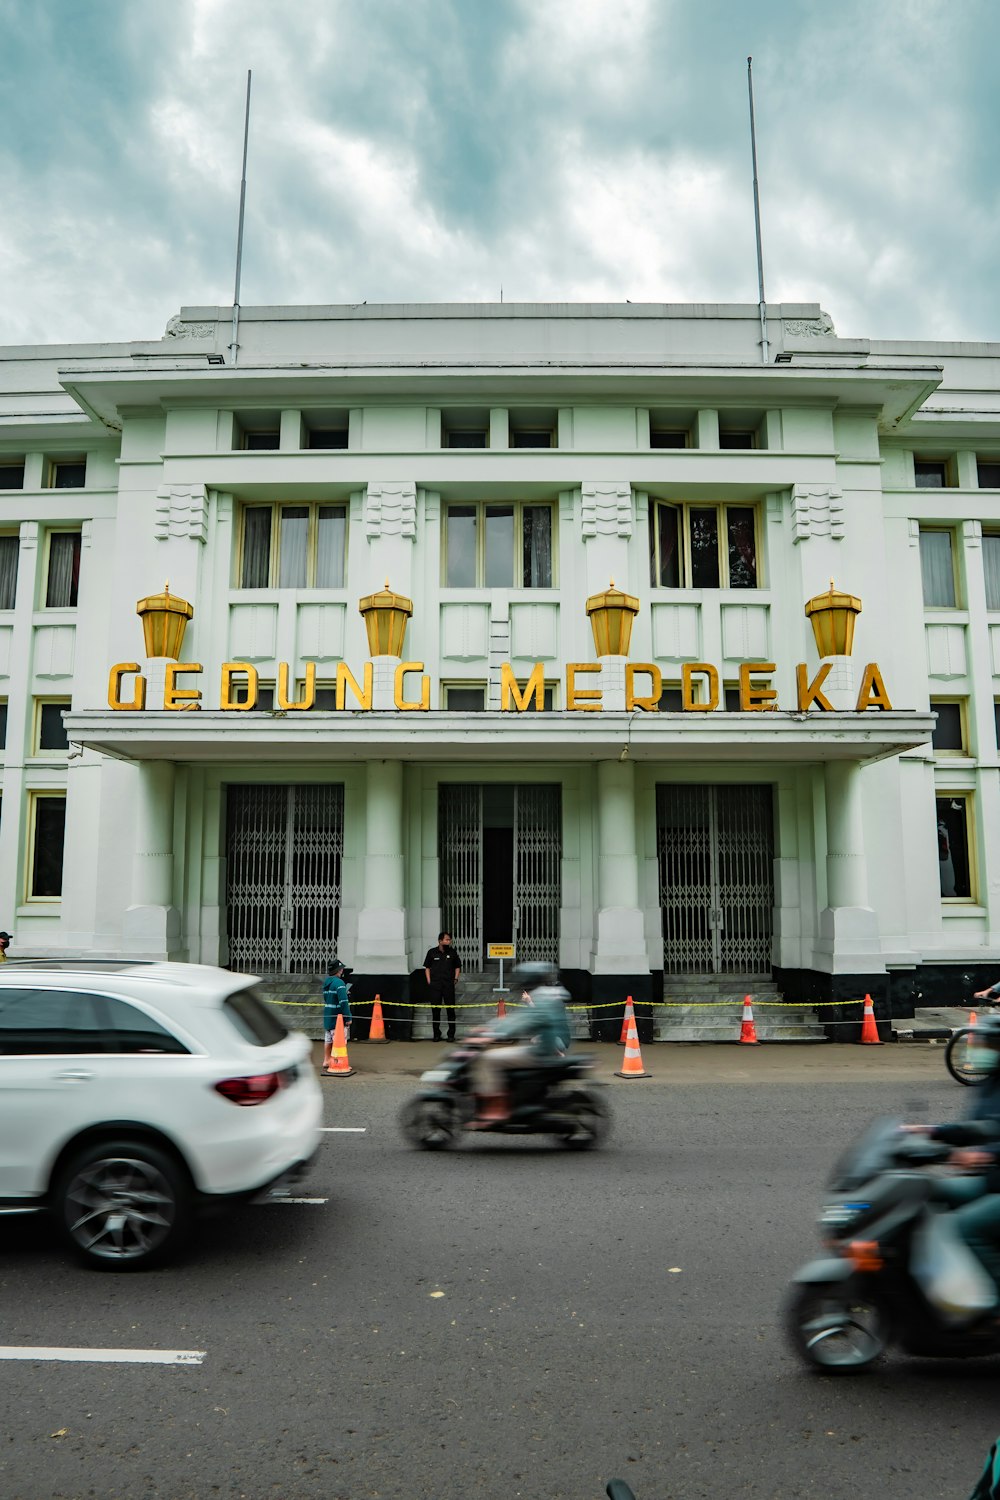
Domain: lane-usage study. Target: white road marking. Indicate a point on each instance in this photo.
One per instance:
(106, 1356)
(343, 1129)
(280, 1199)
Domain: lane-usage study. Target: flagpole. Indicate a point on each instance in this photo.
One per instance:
(234, 346)
(762, 303)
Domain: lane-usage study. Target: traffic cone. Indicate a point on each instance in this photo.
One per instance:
(632, 1061)
(869, 1031)
(973, 1018)
(970, 1042)
(629, 1011)
(376, 1029)
(748, 1031)
(339, 1066)
(501, 1009)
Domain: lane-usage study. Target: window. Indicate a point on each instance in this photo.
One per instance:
(67, 473)
(532, 429)
(949, 736)
(937, 567)
(128, 1029)
(991, 569)
(261, 441)
(50, 732)
(465, 699)
(326, 437)
(48, 1022)
(63, 583)
(996, 720)
(253, 1018)
(498, 546)
(931, 473)
(257, 430)
(264, 701)
(467, 438)
(10, 550)
(737, 440)
(955, 848)
(3, 723)
(47, 829)
(293, 546)
(668, 437)
(703, 546)
(989, 473)
(11, 474)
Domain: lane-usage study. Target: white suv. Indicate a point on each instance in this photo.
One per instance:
(134, 1095)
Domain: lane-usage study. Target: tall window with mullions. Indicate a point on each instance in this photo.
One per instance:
(498, 546)
(293, 546)
(9, 553)
(703, 546)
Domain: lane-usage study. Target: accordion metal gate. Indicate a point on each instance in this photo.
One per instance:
(285, 849)
(716, 863)
(536, 818)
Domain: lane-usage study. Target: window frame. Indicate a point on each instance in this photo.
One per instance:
(50, 532)
(65, 459)
(467, 685)
(962, 703)
(36, 795)
(956, 581)
(968, 799)
(44, 701)
(481, 507)
(274, 560)
(14, 534)
(722, 506)
(8, 462)
(986, 460)
(945, 461)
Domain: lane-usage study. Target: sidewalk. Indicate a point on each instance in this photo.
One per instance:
(936, 1023)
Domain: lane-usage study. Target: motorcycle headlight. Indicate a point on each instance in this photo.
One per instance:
(839, 1215)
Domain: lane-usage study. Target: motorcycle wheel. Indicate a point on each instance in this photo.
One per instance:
(835, 1329)
(956, 1055)
(429, 1124)
(589, 1120)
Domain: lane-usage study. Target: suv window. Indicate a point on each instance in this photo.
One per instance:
(48, 1021)
(131, 1030)
(253, 1018)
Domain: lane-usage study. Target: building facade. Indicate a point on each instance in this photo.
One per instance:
(403, 544)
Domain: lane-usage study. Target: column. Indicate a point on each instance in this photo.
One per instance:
(382, 918)
(621, 944)
(151, 926)
(848, 928)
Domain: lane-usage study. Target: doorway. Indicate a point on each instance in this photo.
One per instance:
(715, 848)
(500, 852)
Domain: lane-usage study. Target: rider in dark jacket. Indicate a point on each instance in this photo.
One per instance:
(538, 1030)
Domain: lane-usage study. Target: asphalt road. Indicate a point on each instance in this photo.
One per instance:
(507, 1320)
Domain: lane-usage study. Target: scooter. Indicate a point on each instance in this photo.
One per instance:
(897, 1271)
(549, 1098)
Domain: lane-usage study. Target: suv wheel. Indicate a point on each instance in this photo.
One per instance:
(122, 1205)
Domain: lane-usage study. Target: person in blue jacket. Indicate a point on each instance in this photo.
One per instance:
(336, 1002)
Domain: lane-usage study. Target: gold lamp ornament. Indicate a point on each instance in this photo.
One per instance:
(164, 620)
(385, 616)
(832, 616)
(611, 615)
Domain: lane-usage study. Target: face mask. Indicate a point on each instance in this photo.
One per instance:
(983, 1059)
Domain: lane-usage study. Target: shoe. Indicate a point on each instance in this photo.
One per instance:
(451, 1036)
(436, 1037)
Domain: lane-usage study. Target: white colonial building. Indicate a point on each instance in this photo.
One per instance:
(407, 543)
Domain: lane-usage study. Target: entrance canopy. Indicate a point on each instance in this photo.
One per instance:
(302, 738)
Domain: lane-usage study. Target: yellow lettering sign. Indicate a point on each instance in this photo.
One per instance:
(582, 698)
(118, 671)
(753, 698)
(812, 692)
(689, 671)
(510, 689)
(872, 693)
(308, 689)
(399, 696)
(180, 698)
(634, 700)
(346, 679)
(232, 671)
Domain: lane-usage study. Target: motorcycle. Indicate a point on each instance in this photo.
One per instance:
(552, 1097)
(897, 1272)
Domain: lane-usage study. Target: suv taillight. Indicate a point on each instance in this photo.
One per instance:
(252, 1090)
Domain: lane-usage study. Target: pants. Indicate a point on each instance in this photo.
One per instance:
(979, 1225)
(496, 1062)
(443, 994)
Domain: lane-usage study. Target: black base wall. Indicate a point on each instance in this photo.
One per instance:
(390, 989)
(608, 994)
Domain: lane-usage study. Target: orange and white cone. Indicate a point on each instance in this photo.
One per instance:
(632, 1061)
(629, 1012)
(339, 1065)
(376, 1030)
(869, 1031)
(501, 1009)
(970, 1042)
(748, 1031)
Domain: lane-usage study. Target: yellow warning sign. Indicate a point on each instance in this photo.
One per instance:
(500, 950)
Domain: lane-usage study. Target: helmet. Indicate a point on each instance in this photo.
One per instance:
(532, 976)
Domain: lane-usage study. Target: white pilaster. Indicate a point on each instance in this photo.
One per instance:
(848, 928)
(621, 945)
(382, 919)
(152, 925)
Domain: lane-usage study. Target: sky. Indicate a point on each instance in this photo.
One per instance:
(443, 150)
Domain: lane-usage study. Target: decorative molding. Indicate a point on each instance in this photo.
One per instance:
(913, 526)
(606, 510)
(775, 506)
(29, 536)
(817, 510)
(178, 329)
(972, 533)
(86, 533)
(809, 328)
(391, 510)
(181, 510)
